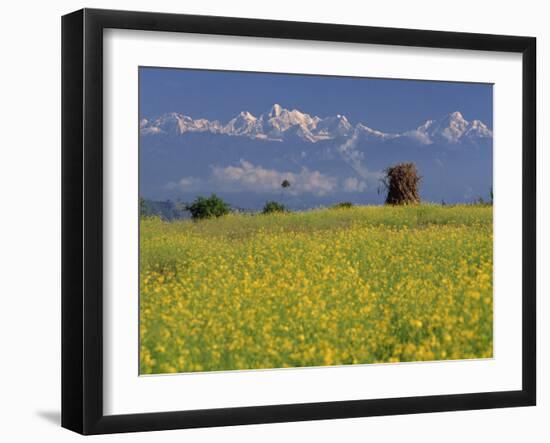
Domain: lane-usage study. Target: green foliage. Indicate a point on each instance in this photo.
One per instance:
(207, 207)
(343, 205)
(144, 208)
(480, 201)
(273, 206)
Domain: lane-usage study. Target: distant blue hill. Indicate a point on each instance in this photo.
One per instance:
(326, 160)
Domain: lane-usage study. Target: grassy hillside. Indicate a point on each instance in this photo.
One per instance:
(325, 287)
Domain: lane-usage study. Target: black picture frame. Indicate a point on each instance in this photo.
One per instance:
(82, 219)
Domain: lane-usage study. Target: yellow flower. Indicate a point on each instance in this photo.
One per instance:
(364, 285)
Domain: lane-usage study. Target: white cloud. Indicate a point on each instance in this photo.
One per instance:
(186, 184)
(249, 177)
(353, 184)
(355, 158)
(245, 176)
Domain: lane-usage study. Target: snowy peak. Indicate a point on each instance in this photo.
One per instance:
(478, 129)
(275, 111)
(456, 117)
(243, 124)
(174, 123)
(373, 134)
(334, 126)
(245, 115)
(280, 119)
(451, 128)
(279, 123)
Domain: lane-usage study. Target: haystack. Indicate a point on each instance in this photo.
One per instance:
(402, 182)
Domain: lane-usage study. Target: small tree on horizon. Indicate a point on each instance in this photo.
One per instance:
(284, 185)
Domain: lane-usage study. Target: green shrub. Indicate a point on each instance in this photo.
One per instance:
(207, 207)
(273, 206)
(343, 205)
(144, 208)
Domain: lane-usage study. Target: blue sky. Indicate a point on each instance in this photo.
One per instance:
(247, 171)
(383, 104)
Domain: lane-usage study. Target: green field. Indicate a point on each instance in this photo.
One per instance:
(324, 287)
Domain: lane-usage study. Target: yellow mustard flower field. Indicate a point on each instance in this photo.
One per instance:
(367, 284)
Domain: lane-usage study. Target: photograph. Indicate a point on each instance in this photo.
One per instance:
(292, 220)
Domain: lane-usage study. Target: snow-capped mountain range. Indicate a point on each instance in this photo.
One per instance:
(327, 159)
(279, 123)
